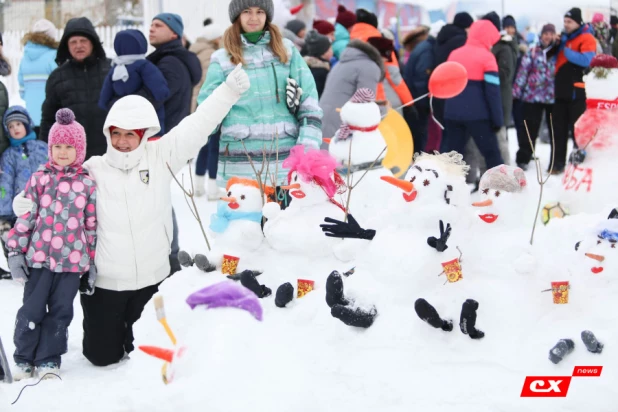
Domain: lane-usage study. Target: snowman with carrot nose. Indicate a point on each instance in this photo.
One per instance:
(601, 251)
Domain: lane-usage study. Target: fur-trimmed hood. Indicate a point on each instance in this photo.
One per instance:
(316, 63)
(357, 49)
(40, 38)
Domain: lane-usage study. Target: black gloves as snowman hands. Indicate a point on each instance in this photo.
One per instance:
(440, 243)
(346, 230)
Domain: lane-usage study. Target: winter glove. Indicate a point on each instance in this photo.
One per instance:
(21, 204)
(440, 244)
(19, 268)
(349, 230)
(237, 276)
(577, 157)
(238, 80)
(292, 96)
(86, 282)
(248, 280)
(284, 295)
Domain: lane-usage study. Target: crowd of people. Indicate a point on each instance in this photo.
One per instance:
(92, 148)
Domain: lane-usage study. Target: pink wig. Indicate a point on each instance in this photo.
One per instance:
(314, 166)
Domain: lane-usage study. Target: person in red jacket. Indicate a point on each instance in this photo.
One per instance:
(577, 49)
(477, 111)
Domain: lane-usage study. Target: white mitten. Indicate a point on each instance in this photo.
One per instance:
(271, 210)
(21, 204)
(238, 80)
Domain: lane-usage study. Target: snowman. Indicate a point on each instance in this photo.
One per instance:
(313, 183)
(284, 12)
(416, 240)
(601, 252)
(588, 182)
(235, 227)
(359, 148)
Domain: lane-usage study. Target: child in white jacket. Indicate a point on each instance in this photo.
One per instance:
(134, 211)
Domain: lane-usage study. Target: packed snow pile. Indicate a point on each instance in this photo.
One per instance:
(435, 264)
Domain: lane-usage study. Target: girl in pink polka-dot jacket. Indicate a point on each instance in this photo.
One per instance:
(51, 247)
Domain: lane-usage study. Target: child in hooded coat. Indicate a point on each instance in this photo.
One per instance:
(22, 158)
(132, 73)
(51, 248)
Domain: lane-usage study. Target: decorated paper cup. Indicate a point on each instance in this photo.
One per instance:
(560, 292)
(452, 270)
(229, 265)
(304, 286)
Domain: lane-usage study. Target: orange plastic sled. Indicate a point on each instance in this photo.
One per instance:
(400, 147)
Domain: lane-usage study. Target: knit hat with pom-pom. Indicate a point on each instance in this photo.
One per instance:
(345, 17)
(67, 131)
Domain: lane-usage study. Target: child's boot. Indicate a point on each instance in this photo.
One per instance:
(48, 370)
(22, 371)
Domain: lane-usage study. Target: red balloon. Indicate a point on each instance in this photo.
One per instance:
(448, 80)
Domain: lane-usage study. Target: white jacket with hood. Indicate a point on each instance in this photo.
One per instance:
(134, 205)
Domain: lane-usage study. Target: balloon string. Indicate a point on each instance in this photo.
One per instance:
(432, 115)
(412, 101)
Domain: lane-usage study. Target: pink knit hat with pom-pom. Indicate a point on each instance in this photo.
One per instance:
(314, 166)
(67, 131)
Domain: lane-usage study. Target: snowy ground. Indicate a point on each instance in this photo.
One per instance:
(302, 359)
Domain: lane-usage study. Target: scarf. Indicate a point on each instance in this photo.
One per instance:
(221, 220)
(254, 37)
(120, 63)
(346, 130)
(19, 142)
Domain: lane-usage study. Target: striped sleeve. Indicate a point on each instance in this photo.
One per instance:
(309, 113)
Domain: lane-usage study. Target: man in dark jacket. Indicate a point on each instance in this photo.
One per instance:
(577, 49)
(181, 68)
(76, 84)
(477, 111)
(451, 37)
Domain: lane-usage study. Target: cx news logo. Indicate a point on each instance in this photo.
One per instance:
(556, 386)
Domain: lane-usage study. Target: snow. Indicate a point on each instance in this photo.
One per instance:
(302, 359)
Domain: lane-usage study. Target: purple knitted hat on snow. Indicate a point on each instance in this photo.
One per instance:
(67, 131)
(227, 295)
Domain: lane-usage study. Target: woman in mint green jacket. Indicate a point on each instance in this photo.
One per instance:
(274, 114)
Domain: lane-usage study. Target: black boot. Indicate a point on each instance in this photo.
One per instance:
(562, 348)
(354, 317)
(203, 264)
(467, 320)
(284, 295)
(591, 342)
(248, 280)
(334, 290)
(185, 259)
(429, 314)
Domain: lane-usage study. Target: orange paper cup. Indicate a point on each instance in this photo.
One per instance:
(304, 286)
(452, 270)
(229, 265)
(560, 292)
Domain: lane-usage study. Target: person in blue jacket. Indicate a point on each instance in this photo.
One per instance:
(37, 64)
(132, 74)
(22, 158)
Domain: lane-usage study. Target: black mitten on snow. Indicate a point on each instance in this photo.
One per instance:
(429, 314)
(591, 342)
(203, 264)
(440, 244)
(467, 320)
(284, 295)
(562, 348)
(354, 317)
(237, 275)
(248, 280)
(185, 259)
(334, 290)
(349, 230)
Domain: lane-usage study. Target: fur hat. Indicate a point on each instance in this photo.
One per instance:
(345, 17)
(46, 27)
(504, 178)
(237, 6)
(67, 131)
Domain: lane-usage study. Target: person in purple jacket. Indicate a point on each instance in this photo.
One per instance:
(132, 74)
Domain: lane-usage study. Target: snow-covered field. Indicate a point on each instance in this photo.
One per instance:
(302, 359)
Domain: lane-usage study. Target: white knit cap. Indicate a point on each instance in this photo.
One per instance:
(45, 26)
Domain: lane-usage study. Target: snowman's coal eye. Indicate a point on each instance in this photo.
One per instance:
(413, 179)
(497, 194)
(229, 194)
(426, 182)
(485, 191)
(599, 242)
(296, 178)
(242, 197)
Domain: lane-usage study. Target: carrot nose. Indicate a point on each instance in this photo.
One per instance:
(402, 184)
(160, 353)
(595, 257)
(327, 140)
(292, 186)
(228, 199)
(484, 203)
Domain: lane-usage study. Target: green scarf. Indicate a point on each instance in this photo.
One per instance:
(254, 37)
